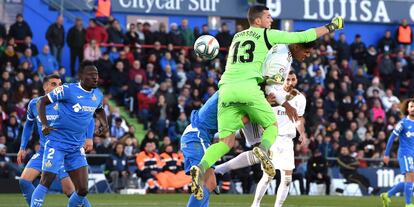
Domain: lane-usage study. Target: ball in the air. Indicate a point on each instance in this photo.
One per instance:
(206, 47)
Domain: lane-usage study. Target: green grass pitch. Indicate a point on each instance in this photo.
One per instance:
(180, 200)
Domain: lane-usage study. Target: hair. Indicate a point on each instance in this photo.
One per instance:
(85, 65)
(49, 77)
(308, 45)
(404, 105)
(291, 72)
(255, 12)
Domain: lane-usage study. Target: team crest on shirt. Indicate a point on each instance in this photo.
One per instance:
(289, 57)
(56, 107)
(94, 98)
(278, 78)
(48, 164)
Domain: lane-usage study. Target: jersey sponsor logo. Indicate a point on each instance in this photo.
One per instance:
(77, 107)
(237, 104)
(409, 134)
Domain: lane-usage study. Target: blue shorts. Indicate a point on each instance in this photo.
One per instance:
(406, 163)
(36, 163)
(193, 151)
(55, 157)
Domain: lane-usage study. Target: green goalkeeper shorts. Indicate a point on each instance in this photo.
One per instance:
(239, 99)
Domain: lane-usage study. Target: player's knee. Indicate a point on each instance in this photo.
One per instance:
(83, 191)
(47, 179)
(288, 179)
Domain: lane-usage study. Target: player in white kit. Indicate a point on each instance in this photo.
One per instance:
(280, 81)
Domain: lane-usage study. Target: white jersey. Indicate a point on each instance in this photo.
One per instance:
(285, 125)
(275, 70)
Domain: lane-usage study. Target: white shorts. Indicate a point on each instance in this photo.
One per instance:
(282, 153)
(252, 133)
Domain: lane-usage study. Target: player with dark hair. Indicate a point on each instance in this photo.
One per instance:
(240, 94)
(77, 104)
(34, 167)
(404, 130)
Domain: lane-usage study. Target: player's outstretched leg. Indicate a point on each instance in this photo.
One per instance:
(386, 196)
(68, 188)
(242, 160)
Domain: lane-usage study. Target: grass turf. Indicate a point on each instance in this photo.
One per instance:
(180, 200)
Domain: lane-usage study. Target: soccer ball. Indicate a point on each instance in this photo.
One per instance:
(206, 47)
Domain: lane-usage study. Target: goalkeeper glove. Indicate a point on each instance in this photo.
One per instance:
(337, 23)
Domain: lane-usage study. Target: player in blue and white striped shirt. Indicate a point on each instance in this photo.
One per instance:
(405, 131)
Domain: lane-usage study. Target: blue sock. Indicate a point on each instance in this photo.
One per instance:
(27, 189)
(38, 196)
(86, 203)
(408, 192)
(193, 202)
(397, 188)
(75, 200)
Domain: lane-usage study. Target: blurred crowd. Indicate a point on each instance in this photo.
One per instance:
(353, 91)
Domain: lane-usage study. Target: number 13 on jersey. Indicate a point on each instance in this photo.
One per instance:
(242, 52)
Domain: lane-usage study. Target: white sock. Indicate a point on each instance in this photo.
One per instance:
(242, 160)
(261, 189)
(283, 190)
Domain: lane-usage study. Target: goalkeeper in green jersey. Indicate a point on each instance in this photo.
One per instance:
(240, 94)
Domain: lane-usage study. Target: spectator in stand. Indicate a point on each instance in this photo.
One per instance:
(141, 35)
(174, 36)
(119, 82)
(188, 35)
(27, 57)
(28, 44)
(149, 37)
(399, 76)
(224, 37)
(9, 56)
(55, 36)
(7, 169)
(172, 174)
(348, 166)
(404, 36)
(92, 51)
(117, 130)
(386, 68)
(161, 35)
(20, 29)
(168, 60)
(343, 49)
(205, 30)
(12, 129)
(96, 32)
(146, 99)
(115, 34)
(135, 70)
(131, 36)
(317, 171)
(149, 165)
(76, 40)
(117, 165)
(48, 61)
(386, 43)
(358, 51)
(371, 61)
(389, 99)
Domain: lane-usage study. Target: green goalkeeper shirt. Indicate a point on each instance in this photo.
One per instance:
(249, 48)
